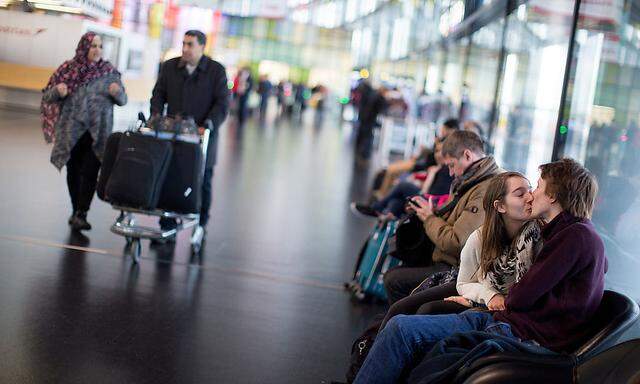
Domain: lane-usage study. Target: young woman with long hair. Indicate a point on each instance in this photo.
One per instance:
(498, 254)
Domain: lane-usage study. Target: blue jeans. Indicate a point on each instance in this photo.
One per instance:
(406, 338)
(396, 199)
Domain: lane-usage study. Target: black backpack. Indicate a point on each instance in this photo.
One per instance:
(411, 243)
(361, 347)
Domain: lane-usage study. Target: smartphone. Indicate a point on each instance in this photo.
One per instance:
(412, 202)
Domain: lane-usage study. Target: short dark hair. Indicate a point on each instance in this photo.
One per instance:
(201, 37)
(474, 126)
(452, 124)
(456, 143)
(572, 185)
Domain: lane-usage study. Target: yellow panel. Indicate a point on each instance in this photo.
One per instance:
(35, 78)
(24, 77)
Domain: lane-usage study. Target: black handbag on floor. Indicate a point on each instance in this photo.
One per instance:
(411, 243)
(361, 347)
(139, 171)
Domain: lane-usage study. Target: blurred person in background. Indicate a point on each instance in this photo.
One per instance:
(434, 181)
(242, 85)
(264, 90)
(280, 97)
(77, 114)
(473, 126)
(300, 103)
(319, 94)
(421, 162)
(372, 104)
(476, 127)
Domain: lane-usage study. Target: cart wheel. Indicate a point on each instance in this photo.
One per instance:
(136, 250)
(351, 285)
(358, 294)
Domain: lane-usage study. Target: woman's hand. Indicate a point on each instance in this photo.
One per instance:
(423, 208)
(496, 303)
(114, 89)
(460, 300)
(62, 89)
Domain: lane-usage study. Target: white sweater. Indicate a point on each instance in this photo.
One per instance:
(510, 266)
(471, 285)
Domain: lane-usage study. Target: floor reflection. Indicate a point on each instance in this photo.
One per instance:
(280, 241)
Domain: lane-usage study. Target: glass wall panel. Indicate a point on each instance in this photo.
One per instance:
(434, 106)
(602, 127)
(482, 73)
(435, 57)
(453, 71)
(537, 42)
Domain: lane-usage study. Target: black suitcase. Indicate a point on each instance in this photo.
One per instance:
(182, 187)
(139, 171)
(109, 158)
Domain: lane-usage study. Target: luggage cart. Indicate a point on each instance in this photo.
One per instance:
(126, 223)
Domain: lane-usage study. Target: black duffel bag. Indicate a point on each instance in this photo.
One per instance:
(361, 347)
(182, 188)
(139, 171)
(410, 243)
(108, 160)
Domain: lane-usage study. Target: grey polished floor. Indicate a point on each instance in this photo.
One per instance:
(264, 305)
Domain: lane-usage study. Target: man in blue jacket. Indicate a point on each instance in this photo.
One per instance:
(550, 306)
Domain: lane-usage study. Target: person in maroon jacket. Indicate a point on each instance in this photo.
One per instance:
(551, 306)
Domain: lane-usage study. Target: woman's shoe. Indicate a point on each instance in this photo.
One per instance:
(80, 222)
(72, 217)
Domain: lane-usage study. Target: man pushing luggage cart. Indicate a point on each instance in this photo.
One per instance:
(191, 85)
(194, 85)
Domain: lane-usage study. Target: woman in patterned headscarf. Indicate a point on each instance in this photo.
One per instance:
(77, 116)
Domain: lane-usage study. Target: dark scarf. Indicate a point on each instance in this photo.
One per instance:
(478, 172)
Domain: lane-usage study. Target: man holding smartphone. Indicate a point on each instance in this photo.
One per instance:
(449, 227)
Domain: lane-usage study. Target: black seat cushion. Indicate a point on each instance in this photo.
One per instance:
(618, 365)
(521, 372)
(615, 314)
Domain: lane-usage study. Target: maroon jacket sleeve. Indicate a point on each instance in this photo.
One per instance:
(558, 257)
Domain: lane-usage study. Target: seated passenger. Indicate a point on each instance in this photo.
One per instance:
(476, 127)
(436, 181)
(494, 257)
(473, 126)
(421, 162)
(551, 305)
(449, 227)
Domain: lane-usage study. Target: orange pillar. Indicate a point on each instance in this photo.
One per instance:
(116, 16)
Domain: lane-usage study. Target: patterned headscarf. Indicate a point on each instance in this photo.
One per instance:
(74, 73)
